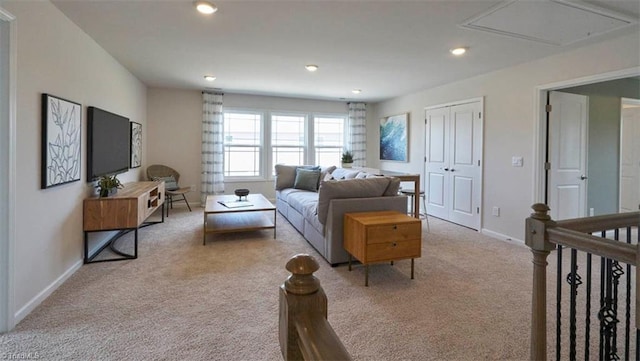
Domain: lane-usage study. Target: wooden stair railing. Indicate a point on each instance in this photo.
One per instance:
(543, 235)
(305, 333)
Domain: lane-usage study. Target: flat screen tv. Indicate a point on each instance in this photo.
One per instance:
(107, 143)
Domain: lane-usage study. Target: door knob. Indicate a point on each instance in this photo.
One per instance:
(453, 170)
(446, 169)
(583, 177)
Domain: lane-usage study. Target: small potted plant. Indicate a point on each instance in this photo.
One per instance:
(108, 185)
(347, 159)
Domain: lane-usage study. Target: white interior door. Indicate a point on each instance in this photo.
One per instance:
(437, 162)
(568, 155)
(464, 165)
(453, 170)
(630, 156)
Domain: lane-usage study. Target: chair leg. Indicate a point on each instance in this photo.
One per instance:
(169, 199)
(187, 202)
(426, 215)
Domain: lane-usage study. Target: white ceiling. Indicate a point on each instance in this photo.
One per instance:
(386, 48)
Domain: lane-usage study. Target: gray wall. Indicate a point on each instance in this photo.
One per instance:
(54, 56)
(510, 124)
(603, 167)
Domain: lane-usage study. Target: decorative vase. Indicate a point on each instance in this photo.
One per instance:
(347, 165)
(241, 192)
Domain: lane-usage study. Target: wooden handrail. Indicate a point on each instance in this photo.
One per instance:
(317, 339)
(609, 248)
(542, 234)
(598, 223)
(305, 333)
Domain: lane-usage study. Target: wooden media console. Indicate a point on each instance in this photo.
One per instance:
(125, 211)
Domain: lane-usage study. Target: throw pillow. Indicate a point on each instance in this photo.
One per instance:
(285, 176)
(170, 183)
(307, 179)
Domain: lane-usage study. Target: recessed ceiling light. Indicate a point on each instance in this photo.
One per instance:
(205, 7)
(356, 91)
(209, 78)
(458, 51)
(311, 67)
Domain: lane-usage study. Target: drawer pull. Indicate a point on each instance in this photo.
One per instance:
(395, 226)
(394, 244)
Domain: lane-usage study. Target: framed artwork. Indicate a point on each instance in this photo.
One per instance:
(61, 141)
(394, 138)
(136, 145)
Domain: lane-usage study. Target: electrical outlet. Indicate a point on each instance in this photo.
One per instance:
(592, 212)
(192, 187)
(496, 211)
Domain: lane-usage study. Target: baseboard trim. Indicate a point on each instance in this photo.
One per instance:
(37, 300)
(500, 236)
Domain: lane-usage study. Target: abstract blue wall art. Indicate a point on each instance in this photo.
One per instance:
(61, 141)
(394, 138)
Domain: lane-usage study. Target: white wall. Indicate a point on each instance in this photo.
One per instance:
(175, 120)
(509, 123)
(56, 57)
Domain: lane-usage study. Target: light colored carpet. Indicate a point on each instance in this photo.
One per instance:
(180, 300)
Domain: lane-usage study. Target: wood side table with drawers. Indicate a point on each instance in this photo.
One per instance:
(382, 236)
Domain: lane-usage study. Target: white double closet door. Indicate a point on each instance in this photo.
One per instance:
(453, 159)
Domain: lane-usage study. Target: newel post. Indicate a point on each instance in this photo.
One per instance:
(300, 294)
(536, 239)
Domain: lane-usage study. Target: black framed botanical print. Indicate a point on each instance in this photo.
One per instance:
(61, 141)
(136, 145)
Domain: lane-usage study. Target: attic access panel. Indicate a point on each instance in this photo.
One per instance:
(555, 22)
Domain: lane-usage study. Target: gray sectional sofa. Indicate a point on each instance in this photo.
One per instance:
(314, 200)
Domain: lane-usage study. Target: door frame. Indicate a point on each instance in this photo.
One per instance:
(7, 180)
(540, 122)
(622, 102)
(480, 149)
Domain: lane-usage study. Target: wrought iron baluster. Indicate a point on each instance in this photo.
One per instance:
(603, 273)
(558, 303)
(627, 328)
(587, 332)
(616, 272)
(574, 280)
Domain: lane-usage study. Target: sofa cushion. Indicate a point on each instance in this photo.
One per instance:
(326, 171)
(307, 179)
(286, 174)
(353, 188)
(393, 188)
(304, 202)
(344, 173)
(284, 194)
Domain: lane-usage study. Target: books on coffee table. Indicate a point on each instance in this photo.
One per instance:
(235, 204)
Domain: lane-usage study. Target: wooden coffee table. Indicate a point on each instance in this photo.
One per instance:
(250, 217)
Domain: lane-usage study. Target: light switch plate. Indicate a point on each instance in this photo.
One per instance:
(517, 161)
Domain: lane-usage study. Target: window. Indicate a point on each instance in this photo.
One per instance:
(255, 141)
(242, 144)
(329, 140)
(288, 139)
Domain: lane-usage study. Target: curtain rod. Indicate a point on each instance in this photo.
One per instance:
(209, 92)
